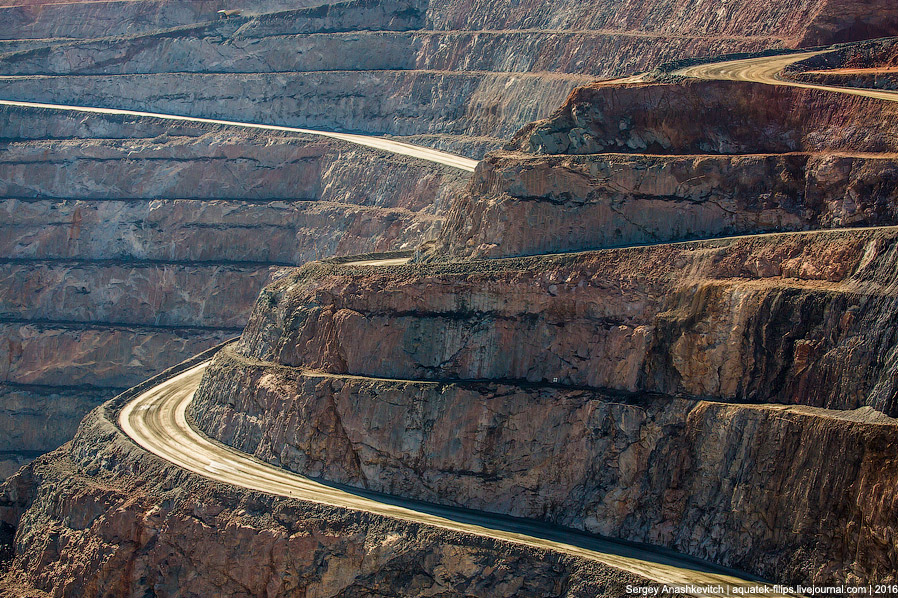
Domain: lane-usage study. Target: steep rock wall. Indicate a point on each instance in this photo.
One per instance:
(86, 19)
(223, 48)
(525, 205)
(688, 118)
(394, 102)
(695, 476)
(177, 231)
(451, 61)
(127, 523)
(624, 164)
(122, 256)
(800, 318)
(808, 22)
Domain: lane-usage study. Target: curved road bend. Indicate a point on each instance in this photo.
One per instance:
(156, 420)
(381, 143)
(766, 70)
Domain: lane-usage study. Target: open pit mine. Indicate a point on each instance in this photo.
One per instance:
(475, 299)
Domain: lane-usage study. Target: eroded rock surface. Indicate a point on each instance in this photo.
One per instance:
(646, 393)
(117, 521)
(520, 204)
(129, 244)
(466, 75)
(787, 492)
(768, 318)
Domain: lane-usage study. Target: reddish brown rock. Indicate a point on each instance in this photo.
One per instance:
(711, 117)
(118, 521)
(793, 493)
(519, 204)
(727, 319)
(120, 257)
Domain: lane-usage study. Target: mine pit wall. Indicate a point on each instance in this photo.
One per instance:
(120, 256)
(519, 204)
(680, 383)
(382, 102)
(711, 117)
(224, 49)
(89, 19)
(802, 22)
(102, 517)
(219, 167)
(876, 54)
(691, 475)
(40, 124)
(619, 165)
(414, 69)
(777, 318)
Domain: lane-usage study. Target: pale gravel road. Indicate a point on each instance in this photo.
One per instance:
(381, 143)
(156, 420)
(767, 69)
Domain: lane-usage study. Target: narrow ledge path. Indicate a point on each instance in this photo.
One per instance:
(157, 421)
(380, 143)
(767, 70)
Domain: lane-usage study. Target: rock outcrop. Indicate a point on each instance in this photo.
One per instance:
(102, 517)
(867, 65)
(708, 318)
(521, 204)
(464, 75)
(787, 492)
(459, 76)
(733, 399)
(620, 165)
(129, 244)
(645, 393)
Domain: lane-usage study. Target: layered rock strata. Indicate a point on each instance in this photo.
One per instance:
(796, 318)
(128, 244)
(866, 65)
(118, 521)
(644, 393)
(39, 19)
(710, 117)
(454, 72)
(629, 164)
(520, 204)
(694, 475)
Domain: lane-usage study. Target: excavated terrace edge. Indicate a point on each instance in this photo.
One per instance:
(637, 559)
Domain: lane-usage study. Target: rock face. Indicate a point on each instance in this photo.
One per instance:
(465, 74)
(693, 475)
(520, 204)
(753, 319)
(120, 522)
(129, 244)
(619, 165)
(99, 192)
(733, 399)
(687, 118)
(872, 65)
(644, 393)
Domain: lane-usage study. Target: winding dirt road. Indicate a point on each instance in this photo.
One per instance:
(381, 143)
(157, 421)
(766, 70)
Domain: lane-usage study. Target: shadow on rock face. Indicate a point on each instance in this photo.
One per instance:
(7, 534)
